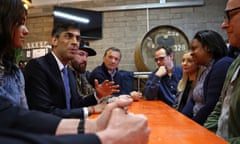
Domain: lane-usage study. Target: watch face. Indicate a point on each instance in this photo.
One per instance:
(167, 36)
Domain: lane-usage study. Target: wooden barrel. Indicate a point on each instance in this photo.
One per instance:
(164, 35)
(139, 60)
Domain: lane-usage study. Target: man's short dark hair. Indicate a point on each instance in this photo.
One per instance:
(168, 50)
(113, 49)
(59, 28)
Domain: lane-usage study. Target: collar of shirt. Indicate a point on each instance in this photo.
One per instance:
(60, 65)
(112, 73)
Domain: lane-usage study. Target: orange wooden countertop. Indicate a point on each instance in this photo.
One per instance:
(169, 126)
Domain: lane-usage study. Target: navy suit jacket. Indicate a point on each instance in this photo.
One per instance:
(19, 137)
(21, 126)
(45, 89)
(16, 118)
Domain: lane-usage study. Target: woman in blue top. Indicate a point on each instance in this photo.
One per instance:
(210, 51)
(11, 78)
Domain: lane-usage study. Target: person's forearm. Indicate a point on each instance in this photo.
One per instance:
(70, 126)
(90, 126)
(106, 138)
(67, 126)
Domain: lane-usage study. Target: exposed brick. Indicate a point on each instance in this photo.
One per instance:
(124, 29)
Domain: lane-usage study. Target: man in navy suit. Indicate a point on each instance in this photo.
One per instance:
(19, 125)
(22, 126)
(44, 78)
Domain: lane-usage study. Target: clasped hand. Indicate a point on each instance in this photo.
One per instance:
(114, 121)
(135, 95)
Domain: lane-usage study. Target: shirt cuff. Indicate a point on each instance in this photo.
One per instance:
(97, 99)
(85, 112)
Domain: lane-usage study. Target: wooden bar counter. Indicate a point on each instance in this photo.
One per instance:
(168, 126)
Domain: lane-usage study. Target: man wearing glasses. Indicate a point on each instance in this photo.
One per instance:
(162, 83)
(225, 119)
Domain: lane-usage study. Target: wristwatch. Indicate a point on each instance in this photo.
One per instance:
(81, 126)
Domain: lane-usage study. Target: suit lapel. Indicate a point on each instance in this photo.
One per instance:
(54, 70)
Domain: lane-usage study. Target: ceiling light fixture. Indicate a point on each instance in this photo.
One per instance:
(27, 3)
(71, 17)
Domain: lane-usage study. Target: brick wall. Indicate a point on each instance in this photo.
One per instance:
(124, 29)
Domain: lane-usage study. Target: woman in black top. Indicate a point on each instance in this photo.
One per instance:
(191, 72)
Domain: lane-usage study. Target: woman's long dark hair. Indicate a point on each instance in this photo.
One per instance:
(12, 13)
(214, 43)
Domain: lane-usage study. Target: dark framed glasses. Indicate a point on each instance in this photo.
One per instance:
(159, 59)
(228, 14)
